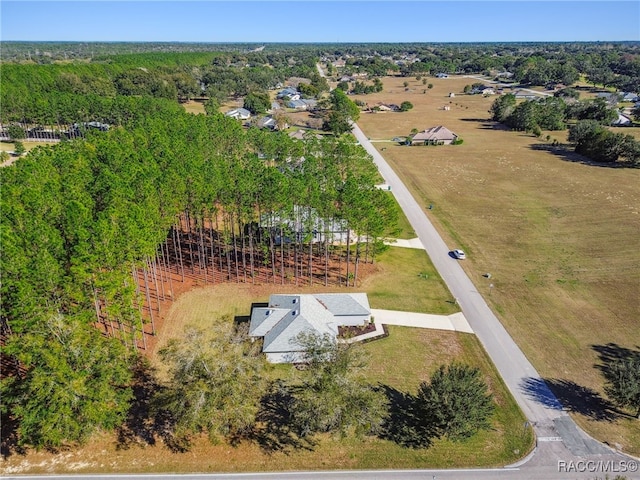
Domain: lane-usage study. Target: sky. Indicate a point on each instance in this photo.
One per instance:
(320, 21)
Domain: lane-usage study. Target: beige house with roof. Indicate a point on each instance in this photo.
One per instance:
(433, 136)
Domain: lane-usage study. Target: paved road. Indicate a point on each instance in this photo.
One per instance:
(564, 470)
(555, 430)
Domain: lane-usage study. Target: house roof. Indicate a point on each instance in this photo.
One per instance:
(621, 120)
(629, 97)
(302, 134)
(339, 304)
(239, 113)
(266, 122)
(287, 316)
(302, 103)
(288, 92)
(296, 104)
(434, 133)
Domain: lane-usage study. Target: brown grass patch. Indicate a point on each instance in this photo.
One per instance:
(559, 237)
(193, 106)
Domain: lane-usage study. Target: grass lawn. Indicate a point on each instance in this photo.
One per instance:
(405, 229)
(421, 352)
(399, 273)
(28, 145)
(401, 361)
(559, 236)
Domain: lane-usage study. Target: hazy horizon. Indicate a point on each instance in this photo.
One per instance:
(331, 22)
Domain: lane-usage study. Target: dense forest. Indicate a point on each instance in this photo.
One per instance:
(93, 226)
(96, 227)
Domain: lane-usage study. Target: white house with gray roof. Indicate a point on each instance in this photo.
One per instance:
(239, 113)
(287, 316)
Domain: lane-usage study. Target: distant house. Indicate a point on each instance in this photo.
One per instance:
(433, 136)
(630, 97)
(305, 223)
(289, 92)
(239, 114)
(302, 104)
(482, 89)
(297, 104)
(611, 98)
(622, 121)
(388, 107)
(504, 74)
(303, 134)
(78, 129)
(267, 122)
(442, 75)
(298, 134)
(287, 316)
(526, 95)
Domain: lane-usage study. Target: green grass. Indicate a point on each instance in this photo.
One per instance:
(402, 360)
(408, 281)
(405, 230)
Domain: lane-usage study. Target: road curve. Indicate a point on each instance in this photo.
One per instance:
(557, 434)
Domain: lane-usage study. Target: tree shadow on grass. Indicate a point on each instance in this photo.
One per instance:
(145, 423)
(566, 152)
(273, 430)
(612, 353)
(404, 424)
(562, 394)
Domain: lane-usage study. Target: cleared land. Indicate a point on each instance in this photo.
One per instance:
(400, 361)
(559, 237)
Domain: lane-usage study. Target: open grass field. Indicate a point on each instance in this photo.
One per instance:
(559, 236)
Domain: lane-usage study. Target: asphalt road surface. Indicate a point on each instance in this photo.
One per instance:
(558, 437)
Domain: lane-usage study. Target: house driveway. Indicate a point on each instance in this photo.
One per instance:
(401, 242)
(455, 322)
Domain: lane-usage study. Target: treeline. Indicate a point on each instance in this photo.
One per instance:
(92, 228)
(330, 395)
(588, 119)
(611, 64)
(29, 88)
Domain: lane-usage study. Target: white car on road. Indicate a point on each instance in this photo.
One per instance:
(459, 254)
